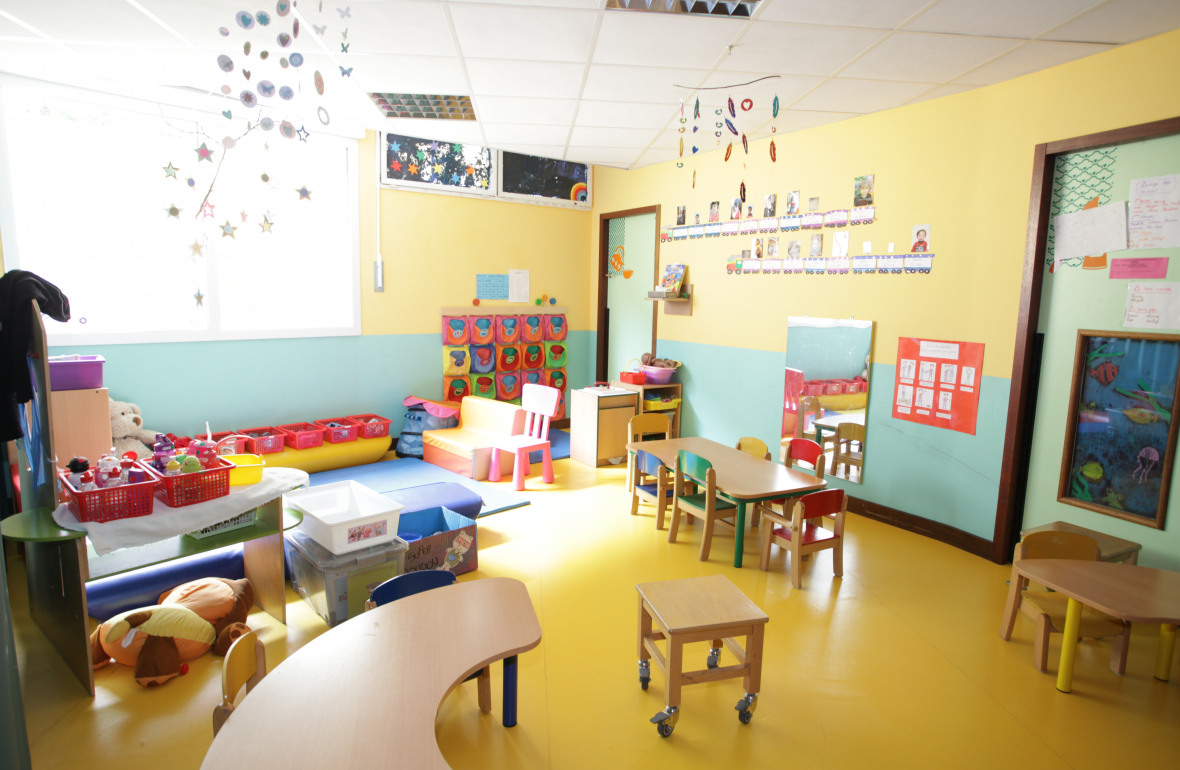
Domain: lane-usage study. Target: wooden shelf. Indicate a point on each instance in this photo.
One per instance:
(675, 305)
(671, 389)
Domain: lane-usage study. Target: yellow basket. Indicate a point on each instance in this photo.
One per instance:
(247, 469)
(660, 404)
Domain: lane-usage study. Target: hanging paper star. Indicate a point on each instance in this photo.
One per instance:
(196, 247)
(438, 168)
(302, 134)
(483, 183)
(395, 147)
(228, 229)
(200, 298)
(454, 179)
(243, 216)
(204, 153)
(413, 168)
(458, 148)
(434, 147)
(396, 165)
(170, 170)
(266, 224)
(207, 210)
(173, 211)
(420, 155)
(304, 193)
(470, 171)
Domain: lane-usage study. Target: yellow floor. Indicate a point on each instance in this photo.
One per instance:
(899, 664)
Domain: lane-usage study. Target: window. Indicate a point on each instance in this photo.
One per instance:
(167, 224)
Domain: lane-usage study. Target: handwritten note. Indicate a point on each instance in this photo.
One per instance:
(1152, 267)
(518, 285)
(1153, 306)
(1154, 217)
(1090, 231)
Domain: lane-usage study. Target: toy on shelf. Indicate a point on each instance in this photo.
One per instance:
(127, 431)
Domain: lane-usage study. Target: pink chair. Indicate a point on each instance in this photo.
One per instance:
(539, 403)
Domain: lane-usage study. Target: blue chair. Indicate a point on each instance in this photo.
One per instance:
(659, 492)
(401, 586)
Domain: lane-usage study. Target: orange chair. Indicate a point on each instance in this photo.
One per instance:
(802, 534)
(1047, 608)
(539, 403)
(659, 492)
(244, 666)
(705, 505)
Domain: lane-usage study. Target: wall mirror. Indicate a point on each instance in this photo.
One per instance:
(828, 365)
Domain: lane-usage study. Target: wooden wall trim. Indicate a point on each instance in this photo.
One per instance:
(920, 526)
(600, 373)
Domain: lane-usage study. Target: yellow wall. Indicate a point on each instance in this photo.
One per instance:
(961, 163)
(433, 246)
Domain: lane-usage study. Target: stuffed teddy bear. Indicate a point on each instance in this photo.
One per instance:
(127, 431)
(190, 620)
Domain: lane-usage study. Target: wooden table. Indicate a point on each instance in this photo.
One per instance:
(1129, 593)
(833, 421)
(1110, 548)
(695, 610)
(741, 477)
(366, 693)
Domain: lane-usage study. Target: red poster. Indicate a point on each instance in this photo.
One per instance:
(938, 383)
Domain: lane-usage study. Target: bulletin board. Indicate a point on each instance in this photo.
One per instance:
(938, 383)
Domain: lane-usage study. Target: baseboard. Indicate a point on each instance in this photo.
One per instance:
(916, 524)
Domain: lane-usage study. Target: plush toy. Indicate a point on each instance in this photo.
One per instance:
(127, 431)
(189, 621)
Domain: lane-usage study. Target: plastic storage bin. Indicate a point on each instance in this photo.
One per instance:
(109, 503)
(345, 516)
(337, 586)
(302, 435)
(73, 372)
(338, 430)
(658, 375)
(371, 425)
(191, 488)
(267, 440)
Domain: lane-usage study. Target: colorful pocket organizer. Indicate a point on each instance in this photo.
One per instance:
(533, 376)
(455, 388)
(454, 329)
(507, 358)
(556, 355)
(555, 378)
(560, 413)
(534, 356)
(507, 385)
(507, 329)
(481, 329)
(483, 358)
(530, 328)
(456, 359)
(554, 327)
(483, 385)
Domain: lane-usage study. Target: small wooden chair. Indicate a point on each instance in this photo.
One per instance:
(410, 583)
(244, 666)
(808, 405)
(640, 428)
(658, 492)
(758, 448)
(849, 452)
(802, 534)
(796, 450)
(1047, 608)
(706, 505)
(539, 403)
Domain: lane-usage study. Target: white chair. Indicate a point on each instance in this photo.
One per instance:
(539, 403)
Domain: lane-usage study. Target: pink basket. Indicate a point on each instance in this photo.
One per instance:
(658, 375)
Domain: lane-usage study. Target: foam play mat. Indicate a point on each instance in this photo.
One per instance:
(392, 475)
(559, 446)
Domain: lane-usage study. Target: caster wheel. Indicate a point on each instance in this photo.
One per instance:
(643, 680)
(745, 716)
(664, 729)
(644, 673)
(713, 659)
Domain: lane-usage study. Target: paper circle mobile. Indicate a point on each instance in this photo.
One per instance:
(538, 300)
(245, 19)
(747, 105)
(475, 302)
(248, 98)
(319, 83)
(267, 124)
(246, 74)
(228, 142)
(266, 89)
(322, 114)
(773, 153)
(226, 63)
(224, 31)
(578, 193)
(282, 8)
(295, 28)
(283, 40)
(246, 48)
(226, 89)
(265, 177)
(287, 130)
(262, 17)
(296, 60)
(284, 63)
(264, 55)
(286, 93)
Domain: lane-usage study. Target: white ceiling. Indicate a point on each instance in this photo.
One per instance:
(568, 78)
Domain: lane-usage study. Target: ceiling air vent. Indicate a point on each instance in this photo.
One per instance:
(733, 10)
(425, 106)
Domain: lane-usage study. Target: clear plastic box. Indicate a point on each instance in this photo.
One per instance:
(336, 586)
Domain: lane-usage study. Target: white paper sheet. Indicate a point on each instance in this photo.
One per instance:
(518, 285)
(1090, 232)
(1154, 305)
(1153, 221)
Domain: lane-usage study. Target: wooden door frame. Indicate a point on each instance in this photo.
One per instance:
(1014, 471)
(600, 372)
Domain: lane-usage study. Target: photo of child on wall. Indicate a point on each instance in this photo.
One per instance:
(680, 215)
(735, 209)
(921, 234)
(862, 194)
(771, 202)
(794, 250)
(817, 245)
(793, 202)
(715, 211)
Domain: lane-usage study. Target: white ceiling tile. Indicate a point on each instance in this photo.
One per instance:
(863, 96)
(521, 78)
(798, 49)
(612, 137)
(410, 28)
(498, 32)
(1120, 21)
(940, 91)
(881, 14)
(555, 151)
(762, 90)
(626, 114)
(606, 82)
(797, 120)
(619, 157)
(590, 5)
(408, 74)
(998, 18)
(500, 133)
(1030, 57)
(464, 131)
(663, 39)
(511, 109)
(113, 21)
(926, 58)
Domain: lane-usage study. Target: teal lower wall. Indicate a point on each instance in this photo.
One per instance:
(251, 383)
(941, 475)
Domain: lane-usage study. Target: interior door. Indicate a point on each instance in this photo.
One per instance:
(627, 320)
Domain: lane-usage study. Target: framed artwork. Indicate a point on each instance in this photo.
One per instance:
(1120, 437)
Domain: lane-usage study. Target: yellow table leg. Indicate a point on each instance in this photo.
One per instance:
(1163, 653)
(1069, 644)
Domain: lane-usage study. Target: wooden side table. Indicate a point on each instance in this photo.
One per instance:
(1110, 548)
(694, 610)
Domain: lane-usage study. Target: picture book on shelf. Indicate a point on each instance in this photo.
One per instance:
(673, 279)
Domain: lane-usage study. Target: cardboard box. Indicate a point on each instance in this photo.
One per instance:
(439, 538)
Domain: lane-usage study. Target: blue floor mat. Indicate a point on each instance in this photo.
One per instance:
(405, 472)
(559, 446)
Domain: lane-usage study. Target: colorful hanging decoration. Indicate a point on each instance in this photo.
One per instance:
(732, 128)
(773, 155)
(696, 110)
(732, 111)
(729, 151)
(747, 105)
(745, 144)
(774, 107)
(742, 190)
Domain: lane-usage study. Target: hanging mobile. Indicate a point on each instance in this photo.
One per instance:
(773, 157)
(732, 111)
(742, 190)
(745, 144)
(696, 110)
(729, 151)
(774, 108)
(732, 129)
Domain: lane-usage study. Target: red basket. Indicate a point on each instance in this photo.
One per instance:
(302, 435)
(370, 425)
(266, 440)
(192, 488)
(111, 503)
(344, 431)
(633, 378)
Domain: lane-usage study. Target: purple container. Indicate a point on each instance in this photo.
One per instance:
(75, 372)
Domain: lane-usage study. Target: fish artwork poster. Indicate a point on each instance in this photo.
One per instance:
(1120, 436)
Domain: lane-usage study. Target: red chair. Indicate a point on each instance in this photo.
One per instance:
(539, 403)
(797, 450)
(802, 534)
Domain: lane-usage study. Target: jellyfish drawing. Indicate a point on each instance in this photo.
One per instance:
(1148, 458)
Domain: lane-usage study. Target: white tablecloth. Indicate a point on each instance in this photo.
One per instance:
(165, 522)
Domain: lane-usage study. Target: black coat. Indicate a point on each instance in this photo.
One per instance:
(17, 288)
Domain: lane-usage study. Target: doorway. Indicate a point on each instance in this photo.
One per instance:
(628, 260)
